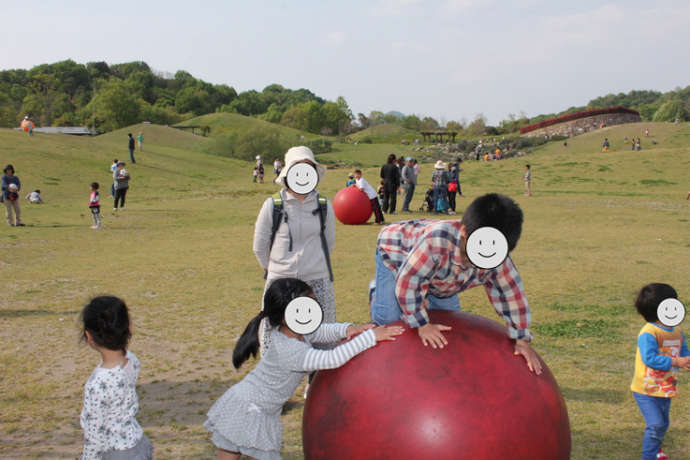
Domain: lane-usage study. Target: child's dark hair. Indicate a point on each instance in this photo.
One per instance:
(358, 171)
(115, 160)
(498, 211)
(528, 167)
(276, 299)
(650, 297)
(37, 191)
(107, 320)
(94, 185)
(391, 158)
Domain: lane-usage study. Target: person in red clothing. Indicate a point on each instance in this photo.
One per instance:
(423, 264)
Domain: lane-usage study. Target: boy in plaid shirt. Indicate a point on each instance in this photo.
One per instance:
(423, 264)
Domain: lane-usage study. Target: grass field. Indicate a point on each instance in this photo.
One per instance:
(224, 122)
(599, 226)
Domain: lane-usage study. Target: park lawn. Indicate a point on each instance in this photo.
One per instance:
(598, 227)
(224, 122)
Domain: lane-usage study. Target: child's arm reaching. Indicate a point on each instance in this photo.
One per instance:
(315, 360)
(329, 332)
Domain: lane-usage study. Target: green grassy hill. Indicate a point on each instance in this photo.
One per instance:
(224, 122)
(385, 134)
(598, 227)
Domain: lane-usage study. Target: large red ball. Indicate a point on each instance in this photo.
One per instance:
(473, 399)
(351, 206)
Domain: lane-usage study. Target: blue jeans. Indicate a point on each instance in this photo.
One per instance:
(655, 412)
(131, 155)
(386, 309)
(440, 193)
(409, 193)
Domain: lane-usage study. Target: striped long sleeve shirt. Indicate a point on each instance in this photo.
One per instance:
(425, 256)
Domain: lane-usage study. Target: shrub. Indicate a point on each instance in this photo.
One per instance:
(265, 141)
(321, 145)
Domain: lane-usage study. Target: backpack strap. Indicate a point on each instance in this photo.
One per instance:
(322, 210)
(278, 215)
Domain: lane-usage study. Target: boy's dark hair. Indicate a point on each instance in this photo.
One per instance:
(94, 185)
(129, 134)
(277, 297)
(37, 191)
(107, 320)
(497, 211)
(358, 171)
(115, 160)
(391, 158)
(528, 167)
(650, 297)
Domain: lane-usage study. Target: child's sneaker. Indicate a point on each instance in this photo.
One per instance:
(95, 227)
(372, 291)
(661, 455)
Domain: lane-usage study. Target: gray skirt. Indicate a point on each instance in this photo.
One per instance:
(143, 450)
(325, 295)
(224, 443)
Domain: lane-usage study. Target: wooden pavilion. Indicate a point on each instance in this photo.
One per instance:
(437, 137)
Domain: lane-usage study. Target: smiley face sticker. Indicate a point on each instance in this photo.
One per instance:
(670, 312)
(486, 247)
(303, 315)
(302, 178)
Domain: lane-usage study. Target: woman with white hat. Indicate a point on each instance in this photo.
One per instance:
(440, 179)
(295, 232)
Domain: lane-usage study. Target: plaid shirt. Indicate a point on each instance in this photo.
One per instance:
(425, 255)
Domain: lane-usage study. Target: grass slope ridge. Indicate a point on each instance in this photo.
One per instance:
(223, 122)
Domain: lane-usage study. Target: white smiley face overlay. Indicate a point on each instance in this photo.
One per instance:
(670, 312)
(303, 315)
(302, 178)
(486, 247)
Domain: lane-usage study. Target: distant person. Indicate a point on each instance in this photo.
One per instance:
(632, 144)
(565, 143)
(362, 184)
(113, 168)
(351, 180)
(528, 180)
(95, 205)
(606, 145)
(108, 418)
(498, 153)
(255, 174)
(277, 166)
(140, 141)
(34, 197)
(428, 200)
(121, 178)
(646, 132)
(380, 193)
(391, 182)
(440, 179)
(688, 197)
(416, 166)
(409, 180)
(453, 185)
(11, 185)
(638, 144)
(259, 169)
(661, 351)
(131, 148)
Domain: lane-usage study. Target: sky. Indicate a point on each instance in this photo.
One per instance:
(449, 59)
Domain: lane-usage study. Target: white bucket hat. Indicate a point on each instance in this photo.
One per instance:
(296, 155)
(440, 165)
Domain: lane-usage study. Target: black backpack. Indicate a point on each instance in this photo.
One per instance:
(321, 210)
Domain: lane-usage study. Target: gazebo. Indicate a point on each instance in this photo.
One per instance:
(439, 136)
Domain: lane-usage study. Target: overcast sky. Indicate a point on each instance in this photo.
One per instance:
(450, 59)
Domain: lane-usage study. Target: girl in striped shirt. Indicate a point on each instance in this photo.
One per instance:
(246, 419)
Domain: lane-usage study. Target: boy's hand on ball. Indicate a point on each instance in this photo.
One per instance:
(433, 334)
(523, 348)
(683, 363)
(387, 332)
(353, 330)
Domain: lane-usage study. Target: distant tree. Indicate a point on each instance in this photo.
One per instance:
(375, 118)
(412, 122)
(671, 110)
(118, 105)
(193, 100)
(429, 123)
(295, 117)
(454, 126)
(478, 125)
(249, 103)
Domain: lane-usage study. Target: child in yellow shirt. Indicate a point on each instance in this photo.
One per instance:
(661, 350)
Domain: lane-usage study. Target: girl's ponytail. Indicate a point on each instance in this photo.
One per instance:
(248, 344)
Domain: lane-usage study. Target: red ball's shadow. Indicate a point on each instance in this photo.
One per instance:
(472, 399)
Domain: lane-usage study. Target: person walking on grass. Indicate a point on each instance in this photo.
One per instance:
(440, 179)
(409, 179)
(362, 184)
(391, 182)
(10, 197)
(528, 180)
(121, 178)
(113, 168)
(95, 205)
(140, 141)
(131, 148)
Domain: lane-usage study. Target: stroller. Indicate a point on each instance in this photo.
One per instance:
(428, 203)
